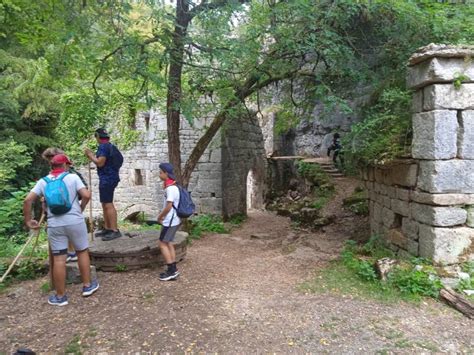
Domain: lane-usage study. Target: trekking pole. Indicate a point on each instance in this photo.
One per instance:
(91, 224)
(37, 238)
(33, 233)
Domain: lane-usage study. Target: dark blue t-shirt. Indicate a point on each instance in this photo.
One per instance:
(107, 173)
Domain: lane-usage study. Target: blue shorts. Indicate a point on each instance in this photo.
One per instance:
(106, 192)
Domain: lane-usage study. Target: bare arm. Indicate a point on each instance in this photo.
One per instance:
(162, 215)
(85, 197)
(27, 208)
(99, 161)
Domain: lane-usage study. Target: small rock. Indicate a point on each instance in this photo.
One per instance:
(260, 236)
(73, 276)
(17, 292)
(449, 282)
(418, 267)
(384, 267)
(469, 292)
(464, 276)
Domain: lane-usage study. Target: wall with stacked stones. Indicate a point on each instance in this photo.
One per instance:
(243, 153)
(425, 205)
(140, 188)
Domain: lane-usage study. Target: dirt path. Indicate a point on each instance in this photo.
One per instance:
(237, 294)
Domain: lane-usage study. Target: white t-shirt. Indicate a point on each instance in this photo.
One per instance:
(74, 216)
(171, 195)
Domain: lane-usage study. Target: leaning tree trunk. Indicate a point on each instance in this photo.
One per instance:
(174, 95)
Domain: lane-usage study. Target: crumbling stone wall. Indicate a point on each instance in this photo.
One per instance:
(424, 205)
(243, 153)
(140, 189)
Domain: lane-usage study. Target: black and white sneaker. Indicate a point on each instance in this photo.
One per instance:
(169, 275)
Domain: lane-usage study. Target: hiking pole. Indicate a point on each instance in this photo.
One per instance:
(91, 224)
(33, 233)
(36, 240)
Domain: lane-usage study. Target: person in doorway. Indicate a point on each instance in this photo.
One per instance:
(65, 224)
(169, 220)
(336, 146)
(108, 160)
(48, 155)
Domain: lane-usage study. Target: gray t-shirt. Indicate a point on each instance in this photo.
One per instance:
(74, 216)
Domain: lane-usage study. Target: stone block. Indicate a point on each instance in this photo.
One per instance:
(404, 174)
(413, 247)
(73, 276)
(445, 245)
(438, 70)
(442, 199)
(470, 216)
(377, 216)
(466, 135)
(447, 176)
(410, 228)
(386, 202)
(403, 194)
(400, 207)
(397, 238)
(435, 135)
(438, 216)
(388, 217)
(447, 97)
(417, 102)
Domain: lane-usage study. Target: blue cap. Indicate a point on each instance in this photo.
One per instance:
(168, 168)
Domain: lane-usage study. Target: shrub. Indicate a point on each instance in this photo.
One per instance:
(415, 282)
(206, 223)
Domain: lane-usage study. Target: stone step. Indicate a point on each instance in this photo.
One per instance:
(73, 276)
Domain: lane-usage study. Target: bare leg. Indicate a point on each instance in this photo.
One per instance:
(165, 251)
(111, 213)
(84, 266)
(106, 218)
(59, 274)
(172, 252)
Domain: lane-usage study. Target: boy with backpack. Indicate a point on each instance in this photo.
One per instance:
(108, 160)
(61, 191)
(177, 204)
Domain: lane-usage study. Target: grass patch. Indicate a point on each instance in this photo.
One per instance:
(338, 279)
(74, 346)
(358, 202)
(205, 223)
(355, 275)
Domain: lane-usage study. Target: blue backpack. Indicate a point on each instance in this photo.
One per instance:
(186, 207)
(57, 195)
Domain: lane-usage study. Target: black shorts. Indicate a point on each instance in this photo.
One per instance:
(168, 233)
(106, 192)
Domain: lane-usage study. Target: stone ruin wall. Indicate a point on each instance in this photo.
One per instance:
(140, 189)
(424, 206)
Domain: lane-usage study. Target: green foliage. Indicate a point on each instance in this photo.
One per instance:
(121, 268)
(408, 280)
(415, 282)
(206, 224)
(11, 213)
(13, 157)
(383, 135)
(358, 203)
(315, 175)
(237, 219)
(459, 79)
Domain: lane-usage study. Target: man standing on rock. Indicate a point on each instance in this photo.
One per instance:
(108, 160)
(66, 223)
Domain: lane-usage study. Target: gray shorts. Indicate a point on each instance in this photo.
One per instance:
(59, 237)
(167, 233)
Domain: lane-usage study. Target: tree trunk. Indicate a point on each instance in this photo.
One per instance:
(174, 95)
